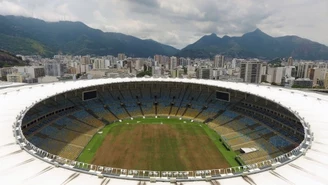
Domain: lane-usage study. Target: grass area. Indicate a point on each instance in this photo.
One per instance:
(228, 155)
(92, 147)
(158, 144)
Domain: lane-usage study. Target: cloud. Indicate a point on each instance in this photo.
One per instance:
(182, 22)
(10, 8)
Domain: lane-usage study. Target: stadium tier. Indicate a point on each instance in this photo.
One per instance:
(237, 128)
(257, 132)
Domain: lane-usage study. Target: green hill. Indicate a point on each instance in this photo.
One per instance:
(8, 60)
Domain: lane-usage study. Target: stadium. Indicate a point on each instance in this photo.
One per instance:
(146, 130)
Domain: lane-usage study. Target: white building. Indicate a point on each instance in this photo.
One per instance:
(319, 76)
(303, 69)
(250, 71)
(191, 71)
(47, 79)
(139, 64)
(173, 62)
(278, 74)
(31, 71)
(101, 63)
(233, 63)
(16, 77)
(157, 71)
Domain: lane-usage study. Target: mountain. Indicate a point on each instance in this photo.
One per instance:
(256, 44)
(27, 36)
(7, 60)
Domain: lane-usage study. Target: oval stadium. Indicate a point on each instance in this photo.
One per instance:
(161, 130)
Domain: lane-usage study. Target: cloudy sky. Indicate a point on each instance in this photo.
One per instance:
(181, 22)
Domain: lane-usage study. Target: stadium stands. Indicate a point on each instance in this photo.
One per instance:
(64, 124)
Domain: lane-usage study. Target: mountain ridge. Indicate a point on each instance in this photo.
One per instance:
(26, 36)
(76, 38)
(256, 44)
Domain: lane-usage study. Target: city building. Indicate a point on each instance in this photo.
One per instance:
(121, 56)
(191, 71)
(85, 60)
(250, 71)
(54, 69)
(47, 79)
(138, 64)
(204, 73)
(16, 77)
(183, 61)
(32, 71)
(326, 81)
(303, 69)
(157, 71)
(219, 61)
(233, 63)
(101, 63)
(173, 62)
(318, 76)
(303, 83)
(290, 61)
(5, 71)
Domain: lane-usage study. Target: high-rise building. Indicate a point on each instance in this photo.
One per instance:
(233, 63)
(54, 69)
(290, 61)
(85, 60)
(138, 65)
(183, 62)
(303, 69)
(219, 61)
(158, 58)
(101, 63)
(290, 71)
(204, 73)
(319, 76)
(250, 71)
(121, 56)
(278, 75)
(191, 71)
(173, 63)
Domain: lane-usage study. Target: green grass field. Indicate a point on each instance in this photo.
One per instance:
(158, 144)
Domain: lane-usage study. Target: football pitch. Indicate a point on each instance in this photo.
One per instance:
(158, 144)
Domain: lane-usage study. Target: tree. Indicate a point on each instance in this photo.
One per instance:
(4, 78)
(144, 73)
(78, 75)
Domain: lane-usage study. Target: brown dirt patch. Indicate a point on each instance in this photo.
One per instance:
(159, 147)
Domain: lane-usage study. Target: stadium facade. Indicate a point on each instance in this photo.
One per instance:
(24, 163)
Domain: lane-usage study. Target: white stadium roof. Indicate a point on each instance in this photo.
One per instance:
(19, 167)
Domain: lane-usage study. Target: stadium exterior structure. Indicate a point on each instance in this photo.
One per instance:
(23, 163)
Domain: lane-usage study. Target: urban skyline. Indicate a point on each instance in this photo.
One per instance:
(286, 73)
